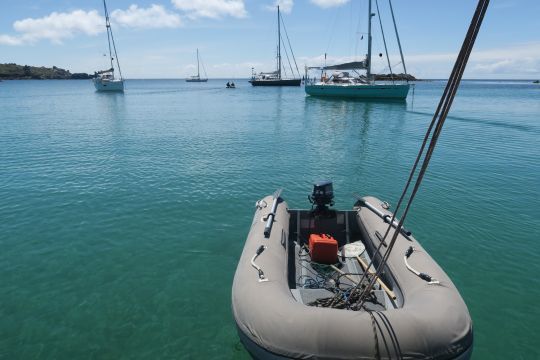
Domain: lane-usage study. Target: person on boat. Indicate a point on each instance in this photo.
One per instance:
(232, 84)
(228, 84)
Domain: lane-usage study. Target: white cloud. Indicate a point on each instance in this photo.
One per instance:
(211, 8)
(496, 66)
(284, 5)
(58, 26)
(55, 27)
(518, 60)
(329, 3)
(156, 16)
(526, 65)
(10, 40)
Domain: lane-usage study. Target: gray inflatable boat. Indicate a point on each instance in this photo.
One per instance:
(288, 306)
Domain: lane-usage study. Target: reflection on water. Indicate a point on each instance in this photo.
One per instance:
(353, 118)
(505, 124)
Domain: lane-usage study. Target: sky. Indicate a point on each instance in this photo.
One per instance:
(159, 38)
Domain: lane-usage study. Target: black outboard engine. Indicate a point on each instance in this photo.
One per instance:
(322, 195)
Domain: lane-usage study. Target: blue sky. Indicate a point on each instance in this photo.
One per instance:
(158, 38)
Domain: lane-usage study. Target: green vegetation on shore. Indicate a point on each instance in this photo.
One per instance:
(390, 77)
(25, 72)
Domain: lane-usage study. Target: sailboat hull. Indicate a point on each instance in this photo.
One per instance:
(109, 85)
(379, 91)
(276, 82)
(196, 80)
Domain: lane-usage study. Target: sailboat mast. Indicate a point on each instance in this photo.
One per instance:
(279, 43)
(198, 72)
(368, 74)
(397, 37)
(108, 26)
(110, 38)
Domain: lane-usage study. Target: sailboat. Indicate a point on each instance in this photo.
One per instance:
(104, 80)
(277, 78)
(345, 81)
(197, 78)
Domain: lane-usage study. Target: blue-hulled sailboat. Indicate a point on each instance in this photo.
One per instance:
(344, 80)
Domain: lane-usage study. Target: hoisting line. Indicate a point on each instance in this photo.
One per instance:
(384, 41)
(436, 125)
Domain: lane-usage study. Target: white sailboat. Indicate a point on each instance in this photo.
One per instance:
(342, 83)
(104, 80)
(197, 78)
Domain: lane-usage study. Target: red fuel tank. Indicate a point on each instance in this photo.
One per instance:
(323, 248)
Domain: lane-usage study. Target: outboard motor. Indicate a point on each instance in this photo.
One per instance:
(322, 195)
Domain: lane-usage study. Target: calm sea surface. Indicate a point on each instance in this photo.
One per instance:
(122, 216)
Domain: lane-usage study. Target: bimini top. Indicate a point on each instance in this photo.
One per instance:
(105, 71)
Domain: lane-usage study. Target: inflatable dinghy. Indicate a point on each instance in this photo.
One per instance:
(296, 289)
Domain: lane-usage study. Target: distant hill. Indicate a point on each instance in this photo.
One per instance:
(25, 72)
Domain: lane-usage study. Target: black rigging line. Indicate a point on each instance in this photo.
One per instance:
(290, 47)
(434, 132)
(384, 40)
(109, 31)
(288, 59)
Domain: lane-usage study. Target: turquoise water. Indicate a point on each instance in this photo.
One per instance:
(123, 215)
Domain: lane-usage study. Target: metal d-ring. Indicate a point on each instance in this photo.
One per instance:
(261, 204)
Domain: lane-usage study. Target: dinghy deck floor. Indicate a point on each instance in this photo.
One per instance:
(309, 281)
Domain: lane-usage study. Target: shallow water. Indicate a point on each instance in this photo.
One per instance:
(123, 215)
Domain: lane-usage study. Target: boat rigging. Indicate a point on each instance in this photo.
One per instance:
(197, 78)
(105, 80)
(346, 81)
(279, 77)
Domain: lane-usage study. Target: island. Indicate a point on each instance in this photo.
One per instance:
(25, 72)
(398, 77)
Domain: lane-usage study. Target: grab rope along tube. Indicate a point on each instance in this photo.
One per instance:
(426, 277)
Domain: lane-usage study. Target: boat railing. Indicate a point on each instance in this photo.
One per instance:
(323, 80)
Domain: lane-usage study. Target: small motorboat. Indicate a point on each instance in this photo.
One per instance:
(231, 85)
(301, 287)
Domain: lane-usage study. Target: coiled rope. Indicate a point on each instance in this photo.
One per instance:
(432, 134)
